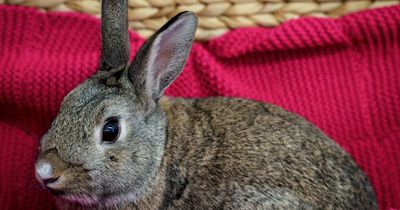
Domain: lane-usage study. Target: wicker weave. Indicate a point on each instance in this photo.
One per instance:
(215, 16)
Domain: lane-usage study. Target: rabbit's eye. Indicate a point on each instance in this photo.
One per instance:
(110, 131)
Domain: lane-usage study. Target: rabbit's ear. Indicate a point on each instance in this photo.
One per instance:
(162, 57)
(114, 35)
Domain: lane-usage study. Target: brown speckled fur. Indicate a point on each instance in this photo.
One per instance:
(213, 153)
(240, 154)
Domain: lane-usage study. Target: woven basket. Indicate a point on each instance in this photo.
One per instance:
(215, 16)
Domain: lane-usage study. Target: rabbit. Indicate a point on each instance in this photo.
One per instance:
(118, 143)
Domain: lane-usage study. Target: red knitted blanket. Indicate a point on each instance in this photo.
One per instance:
(343, 75)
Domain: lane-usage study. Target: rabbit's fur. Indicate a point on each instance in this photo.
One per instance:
(173, 153)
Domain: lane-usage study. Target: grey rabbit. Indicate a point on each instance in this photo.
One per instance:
(118, 143)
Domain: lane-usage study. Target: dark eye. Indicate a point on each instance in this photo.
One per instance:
(110, 131)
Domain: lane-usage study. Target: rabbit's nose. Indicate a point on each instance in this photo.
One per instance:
(44, 171)
(45, 174)
(50, 171)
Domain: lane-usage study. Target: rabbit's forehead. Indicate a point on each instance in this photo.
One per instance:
(85, 93)
(92, 100)
(89, 93)
(95, 100)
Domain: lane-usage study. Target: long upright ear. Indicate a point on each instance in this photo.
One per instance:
(162, 57)
(114, 35)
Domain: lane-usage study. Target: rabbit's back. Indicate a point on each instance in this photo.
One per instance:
(242, 154)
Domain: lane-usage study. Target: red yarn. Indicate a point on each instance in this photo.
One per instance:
(343, 75)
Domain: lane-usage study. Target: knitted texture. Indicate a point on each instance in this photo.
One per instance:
(343, 75)
(215, 16)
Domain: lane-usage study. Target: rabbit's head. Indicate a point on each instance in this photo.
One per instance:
(107, 142)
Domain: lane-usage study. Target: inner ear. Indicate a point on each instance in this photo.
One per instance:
(168, 57)
(162, 58)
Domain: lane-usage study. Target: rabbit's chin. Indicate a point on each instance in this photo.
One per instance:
(93, 200)
(82, 199)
